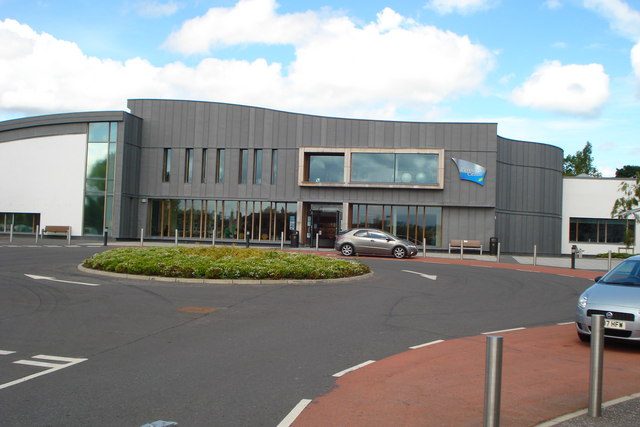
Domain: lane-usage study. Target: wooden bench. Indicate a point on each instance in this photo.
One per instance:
(66, 229)
(465, 244)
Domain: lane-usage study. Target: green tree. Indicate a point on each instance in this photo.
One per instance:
(628, 171)
(580, 163)
(630, 200)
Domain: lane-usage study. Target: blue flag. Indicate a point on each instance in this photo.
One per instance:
(470, 171)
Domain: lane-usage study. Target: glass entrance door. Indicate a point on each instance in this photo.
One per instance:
(325, 224)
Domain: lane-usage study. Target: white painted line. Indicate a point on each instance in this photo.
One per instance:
(36, 363)
(57, 358)
(426, 344)
(56, 367)
(504, 330)
(297, 410)
(6, 352)
(53, 279)
(353, 368)
(566, 323)
(426, 276)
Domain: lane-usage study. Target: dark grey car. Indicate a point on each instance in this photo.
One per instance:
(373, 241)
(617, 297)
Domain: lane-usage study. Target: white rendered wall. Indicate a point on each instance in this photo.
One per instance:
(590, 198)
(45, 175)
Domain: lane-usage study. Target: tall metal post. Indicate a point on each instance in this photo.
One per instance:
(493, 381)
(595, 373)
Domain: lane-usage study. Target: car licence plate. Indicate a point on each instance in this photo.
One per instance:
(614, 324)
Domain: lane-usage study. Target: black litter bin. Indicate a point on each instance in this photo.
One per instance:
(493, 246)
(295, 238)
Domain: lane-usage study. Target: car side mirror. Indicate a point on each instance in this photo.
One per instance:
(597, 279)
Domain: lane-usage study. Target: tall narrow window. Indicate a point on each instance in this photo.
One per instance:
(219, 165)
(244, 164)
(257, 166)
(274, 166)
(203, 169)
(166, 165)
(188, 165)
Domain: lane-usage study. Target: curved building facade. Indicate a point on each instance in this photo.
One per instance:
(204, 170)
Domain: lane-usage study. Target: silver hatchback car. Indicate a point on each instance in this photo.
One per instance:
(617, 297)
(374, 242)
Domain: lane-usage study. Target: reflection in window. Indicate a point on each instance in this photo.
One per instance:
(594, 230)
(203, 168)
(410, 168)
(274, 166)
(257, 166)
(219, 165)
(166, 165)
(326, 168)
(100, 177)
(414, 223)
(244, 164)
(188, 165)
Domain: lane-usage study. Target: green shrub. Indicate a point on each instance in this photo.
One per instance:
(614, 255)
(223, 263)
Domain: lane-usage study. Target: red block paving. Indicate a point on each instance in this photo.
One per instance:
(545, 375)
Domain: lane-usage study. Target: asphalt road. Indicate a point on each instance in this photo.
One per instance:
(249, 359)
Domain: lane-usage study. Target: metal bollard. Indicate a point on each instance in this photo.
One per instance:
(247, 237)
(424, 247)
(317, 240)
(282, 241)
(176, 237)
(535, 255)
(595, 373)
(498, 255)
(69, 236)
(105, 237)
(10, 233)
(213, 238)
(461, 249)
(142, 237)
(609, 266)
(493, 381)
(37, 232)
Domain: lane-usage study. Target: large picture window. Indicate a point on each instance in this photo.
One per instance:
(597, 230)
(371, 167)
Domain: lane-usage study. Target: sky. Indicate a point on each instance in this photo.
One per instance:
(560, 72)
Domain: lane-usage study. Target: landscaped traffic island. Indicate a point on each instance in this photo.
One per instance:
(223, 263)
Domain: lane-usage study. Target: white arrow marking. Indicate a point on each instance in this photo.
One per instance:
(426, 276)
(52, 367)
(53, 279)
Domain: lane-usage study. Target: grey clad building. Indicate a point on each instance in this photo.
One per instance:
(208, 170)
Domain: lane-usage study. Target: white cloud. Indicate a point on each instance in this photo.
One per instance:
(460, 6)
(249, 21)
(553, 4)
(620, 15)
(570, 89)
(155, 9)
(340, 67)
(635, 62)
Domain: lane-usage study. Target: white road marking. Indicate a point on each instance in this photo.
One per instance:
(353, 368)
(297, 410)
(6, 352)
(426, 276)
(504, 330)
(53, 279)
(566, 323)
(52, 367)
(426, 344)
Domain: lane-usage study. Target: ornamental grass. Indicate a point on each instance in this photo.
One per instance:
(223, 263)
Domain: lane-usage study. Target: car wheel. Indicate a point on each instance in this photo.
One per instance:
(346, 249)
(399, 252)
(584, 337)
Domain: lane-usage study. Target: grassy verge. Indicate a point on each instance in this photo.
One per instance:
(223, 263)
